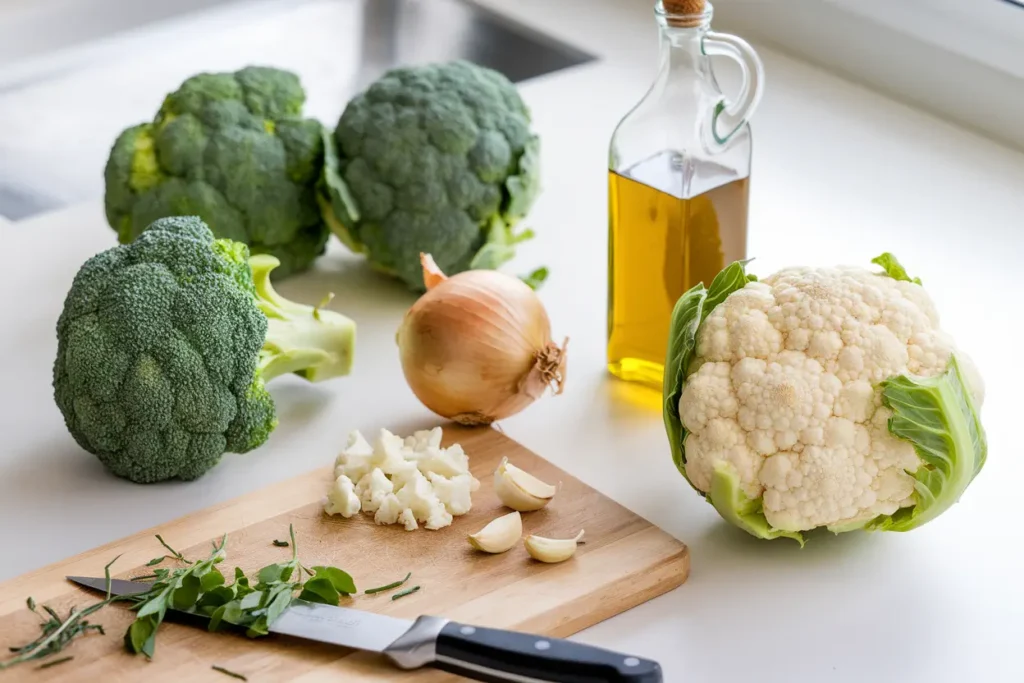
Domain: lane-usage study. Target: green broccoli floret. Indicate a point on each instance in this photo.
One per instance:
(164, 345)
(233, 149)
(436, 159)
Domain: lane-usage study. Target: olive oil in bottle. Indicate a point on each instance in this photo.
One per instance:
(661, 244)
(678, 183)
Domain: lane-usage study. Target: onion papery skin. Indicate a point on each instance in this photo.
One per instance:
(477, 347)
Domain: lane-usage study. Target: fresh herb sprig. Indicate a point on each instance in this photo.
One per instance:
(381, 589)
(179, 589)
(407, 591)
(57, 631)
(228, 672)
(200, 588)
(255, 608)
(175, 555)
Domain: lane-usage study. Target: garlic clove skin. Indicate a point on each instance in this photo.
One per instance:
(552, 550)
(499, 535)
(520, 490)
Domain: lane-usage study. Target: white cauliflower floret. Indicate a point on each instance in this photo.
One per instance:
(342, 499)
(373, 488)
(786, 390)
(408, 520)
(356, 460)
(424, 439)
(710, 396)
(438, 518)
(783, 402)
(857, 401)
(722, 440)
(394, 458)
(389, 511)
(872, 353)
(844, 479)
(448, 462)
(416, 501)
(456, 493)
(403, 481)
(418, 495)
(741, 332)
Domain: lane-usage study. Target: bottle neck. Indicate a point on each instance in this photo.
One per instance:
(682, 48)
(682, 36)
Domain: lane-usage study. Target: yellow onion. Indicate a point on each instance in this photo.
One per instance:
(476, 347)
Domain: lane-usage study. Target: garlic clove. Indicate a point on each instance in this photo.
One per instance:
(521, 490)
(499, 535)
(552, 550)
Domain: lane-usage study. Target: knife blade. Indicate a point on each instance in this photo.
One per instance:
(475, 652)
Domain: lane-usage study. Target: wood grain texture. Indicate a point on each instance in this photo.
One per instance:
(624, 562)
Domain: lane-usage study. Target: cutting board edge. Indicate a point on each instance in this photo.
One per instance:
(364, 667)
(576, 595)
(652, 582)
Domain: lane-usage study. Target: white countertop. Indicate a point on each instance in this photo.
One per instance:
(840, 175)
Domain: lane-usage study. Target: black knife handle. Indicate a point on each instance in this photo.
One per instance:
(486, 654)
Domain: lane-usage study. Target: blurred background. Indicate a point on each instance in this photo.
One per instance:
(64, 74)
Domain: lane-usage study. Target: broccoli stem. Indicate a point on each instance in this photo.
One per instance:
(308, 341)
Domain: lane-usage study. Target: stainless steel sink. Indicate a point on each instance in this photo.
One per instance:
(73, 73)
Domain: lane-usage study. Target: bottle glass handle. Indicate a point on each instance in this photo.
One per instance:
(729, 117)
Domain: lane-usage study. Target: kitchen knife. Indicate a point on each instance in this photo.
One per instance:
(482, 654)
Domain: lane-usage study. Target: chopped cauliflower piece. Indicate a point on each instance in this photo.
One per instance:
(356, 460)
(408, 519)
(418, 495)
(424, 439)
(455, 493)
(448, 462)
(408, 481)
(394, 462)
(389, 511)
(438, 518)
(373, 488)
(342, 499)
(357, 446)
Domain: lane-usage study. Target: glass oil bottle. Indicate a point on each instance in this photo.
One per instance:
(678, 186)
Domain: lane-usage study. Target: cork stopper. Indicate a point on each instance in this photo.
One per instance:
(684, 13)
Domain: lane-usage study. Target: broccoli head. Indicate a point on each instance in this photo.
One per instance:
(233, 149)
(435, 159)
(164, 345)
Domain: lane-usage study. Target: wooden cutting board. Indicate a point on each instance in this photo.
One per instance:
(624, 562)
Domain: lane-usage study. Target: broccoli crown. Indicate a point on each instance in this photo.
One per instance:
(233, 149)
(158, 348)
(436, 159)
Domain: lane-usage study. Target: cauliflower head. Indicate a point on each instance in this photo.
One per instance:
(436, 159)
(821, 398)
(231, 148)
